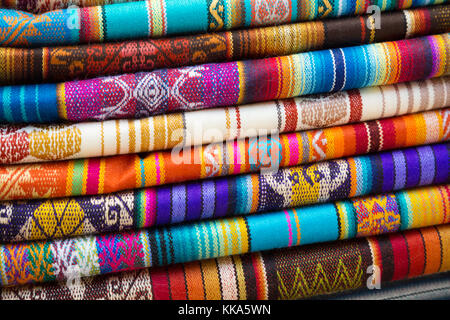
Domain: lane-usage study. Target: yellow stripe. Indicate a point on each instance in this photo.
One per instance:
(60, 96)
(69, 179)
(241, 82)
(132, 136)
(101, 176)
(242, 288)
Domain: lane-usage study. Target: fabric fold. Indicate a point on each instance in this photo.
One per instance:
(44, 143)
(93, 176)
(224, 197)
(72, 258)
(293, 273)
(156, 18)
(225, 84)
(64, 63)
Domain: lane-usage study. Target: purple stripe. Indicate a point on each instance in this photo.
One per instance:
(442, 156)
(164, 206)
(221, 197)
(428, 169)
(387, 163)
(194, 201)
(413, 167)
(209, 193)
(178, 203)
(400, 169)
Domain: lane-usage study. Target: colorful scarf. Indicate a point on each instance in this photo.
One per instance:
(292, 273)
(156, 18)
(87, 61)
(224, 84)
(110, 174)
(223, 197)
(72, 258)
(98, 139)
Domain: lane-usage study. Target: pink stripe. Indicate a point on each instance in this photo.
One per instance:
(293, 149)
(288, 219)
(237, 155)
(92, 176)
(150, 207)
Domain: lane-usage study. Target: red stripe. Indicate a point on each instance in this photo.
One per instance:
(290, 110)
(355, 105)
(388, 134)
(416, 251)
(160, 284)
(259, 281)
(363, 139)
(400, 251)
(177, 282)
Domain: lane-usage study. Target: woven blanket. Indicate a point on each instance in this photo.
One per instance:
(53, 64)
(222, 197)
(72, 258)
(155, 18)
(224, 84)
(291, 273)
(217, 125)
(88, 176)
(59, 142)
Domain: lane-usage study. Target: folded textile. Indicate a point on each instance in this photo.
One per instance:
(53, 64)
(224, 84)
(70, 259)
(432, 287)
(218, 198)
(74, 141)
(180, 203)
(88, 176)
(291, 273)
(155, 18)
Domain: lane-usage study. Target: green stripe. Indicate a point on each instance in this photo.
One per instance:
(77, 181)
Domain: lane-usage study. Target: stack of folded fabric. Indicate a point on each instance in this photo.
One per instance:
(273, 149)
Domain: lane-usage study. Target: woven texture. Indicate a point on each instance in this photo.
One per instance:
(292, 273)
(157, 18)
(54, 64)
(59, 142)
(241, 195)
(223, 84)
(88, 176)
(91, 255)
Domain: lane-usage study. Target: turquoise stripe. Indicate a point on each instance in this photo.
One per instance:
(141, 164)
(258, 226)
(248, 13)
(117, 13)
(351, 218)
(186, 16)
(23, 112)
(6, 100)
(318, 224)
(36, 102)
(403, 204)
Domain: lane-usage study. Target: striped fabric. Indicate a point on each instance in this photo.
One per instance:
(56, 64)
(155, 18)
(224, 84)
(294, 273)
(232, 196)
